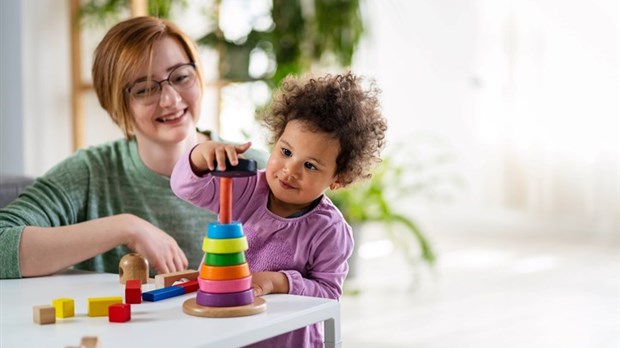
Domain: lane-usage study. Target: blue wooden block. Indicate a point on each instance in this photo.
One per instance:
(163, 293)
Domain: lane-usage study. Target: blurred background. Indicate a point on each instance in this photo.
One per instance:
(494, 219)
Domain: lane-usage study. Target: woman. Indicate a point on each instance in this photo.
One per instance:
(102, 202)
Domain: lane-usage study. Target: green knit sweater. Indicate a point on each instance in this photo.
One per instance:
(101, 181)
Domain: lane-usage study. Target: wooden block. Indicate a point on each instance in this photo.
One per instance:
(65, 307)
(163, 293)
(133, 291)
(90, 342)
(189, 286)
(98, 306)
(167, 279)
(119, 313)
(44, 314)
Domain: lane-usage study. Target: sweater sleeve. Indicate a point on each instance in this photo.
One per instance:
(199, 191)
(52, 200)
(328, 265)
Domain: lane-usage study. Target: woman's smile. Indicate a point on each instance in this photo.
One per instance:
(173, 117)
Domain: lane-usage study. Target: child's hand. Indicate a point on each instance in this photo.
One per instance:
(206, 155)
(265, 283)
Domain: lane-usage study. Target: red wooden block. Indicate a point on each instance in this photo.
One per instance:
(119, 313)
(133, 291)
(189, 286)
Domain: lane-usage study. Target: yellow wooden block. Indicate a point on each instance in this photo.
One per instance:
(44, 314)
(65, 307)
(98, 306)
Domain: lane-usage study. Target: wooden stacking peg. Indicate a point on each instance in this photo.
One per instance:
(243, 168)
(225, 281)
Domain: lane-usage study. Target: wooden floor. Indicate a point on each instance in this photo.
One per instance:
(487, 292)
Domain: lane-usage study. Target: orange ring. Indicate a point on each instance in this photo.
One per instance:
(224, 272)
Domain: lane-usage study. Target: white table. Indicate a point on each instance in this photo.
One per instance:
(153, 324)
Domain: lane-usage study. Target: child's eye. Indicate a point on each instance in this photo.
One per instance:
(310, 166)
(286, 152)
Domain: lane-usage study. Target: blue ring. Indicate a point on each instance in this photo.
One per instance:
(215, 230)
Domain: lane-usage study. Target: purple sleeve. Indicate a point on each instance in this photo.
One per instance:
(199, 191)
(328, 265)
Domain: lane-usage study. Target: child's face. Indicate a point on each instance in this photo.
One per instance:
(301, 166)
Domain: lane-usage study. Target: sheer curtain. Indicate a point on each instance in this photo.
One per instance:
(550, 106)
(527, 91)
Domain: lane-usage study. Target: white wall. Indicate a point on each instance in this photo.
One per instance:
(47, 98)
(526, 95)
(11, 122)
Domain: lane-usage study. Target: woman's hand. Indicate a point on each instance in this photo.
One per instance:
(159, 248)
(205, 156)
(46, 250)
(265, 283)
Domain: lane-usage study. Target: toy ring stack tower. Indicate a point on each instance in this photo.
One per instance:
(225, 281)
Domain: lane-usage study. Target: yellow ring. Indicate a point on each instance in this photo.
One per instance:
(224, 246)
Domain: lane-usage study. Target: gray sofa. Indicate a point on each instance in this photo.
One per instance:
(11, 186)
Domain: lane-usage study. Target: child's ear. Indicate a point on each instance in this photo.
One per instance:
(335, 185)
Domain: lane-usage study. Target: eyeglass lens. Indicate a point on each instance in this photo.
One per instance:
(149, 91)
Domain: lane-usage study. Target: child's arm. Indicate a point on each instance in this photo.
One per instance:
(188, 180)
(327, 267)
(324, 273)
(265, 283)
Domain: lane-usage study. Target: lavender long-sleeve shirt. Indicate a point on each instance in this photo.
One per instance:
(311, 250)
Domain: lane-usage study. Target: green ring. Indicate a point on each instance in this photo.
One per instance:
(224, 259)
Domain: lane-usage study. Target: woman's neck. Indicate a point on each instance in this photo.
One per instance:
(161, 158)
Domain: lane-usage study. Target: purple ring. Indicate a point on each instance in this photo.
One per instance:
(231, 299)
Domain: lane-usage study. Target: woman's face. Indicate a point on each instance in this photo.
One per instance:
(169, 118)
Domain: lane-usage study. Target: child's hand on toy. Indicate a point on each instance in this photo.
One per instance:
(265, 283)
(206, 155)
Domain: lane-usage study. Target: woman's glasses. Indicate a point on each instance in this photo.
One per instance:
(148, 91)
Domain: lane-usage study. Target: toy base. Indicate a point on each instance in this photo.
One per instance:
(192, 308)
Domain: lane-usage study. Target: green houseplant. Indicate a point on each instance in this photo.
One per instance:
(374, 201)
(298, 39)
(302, 35)
(419, 170)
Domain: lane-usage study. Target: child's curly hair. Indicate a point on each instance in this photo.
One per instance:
(336, 105)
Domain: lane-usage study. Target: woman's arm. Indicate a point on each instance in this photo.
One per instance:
(77, 211)
(46, 250)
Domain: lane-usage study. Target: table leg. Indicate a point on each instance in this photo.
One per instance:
(332, 330)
